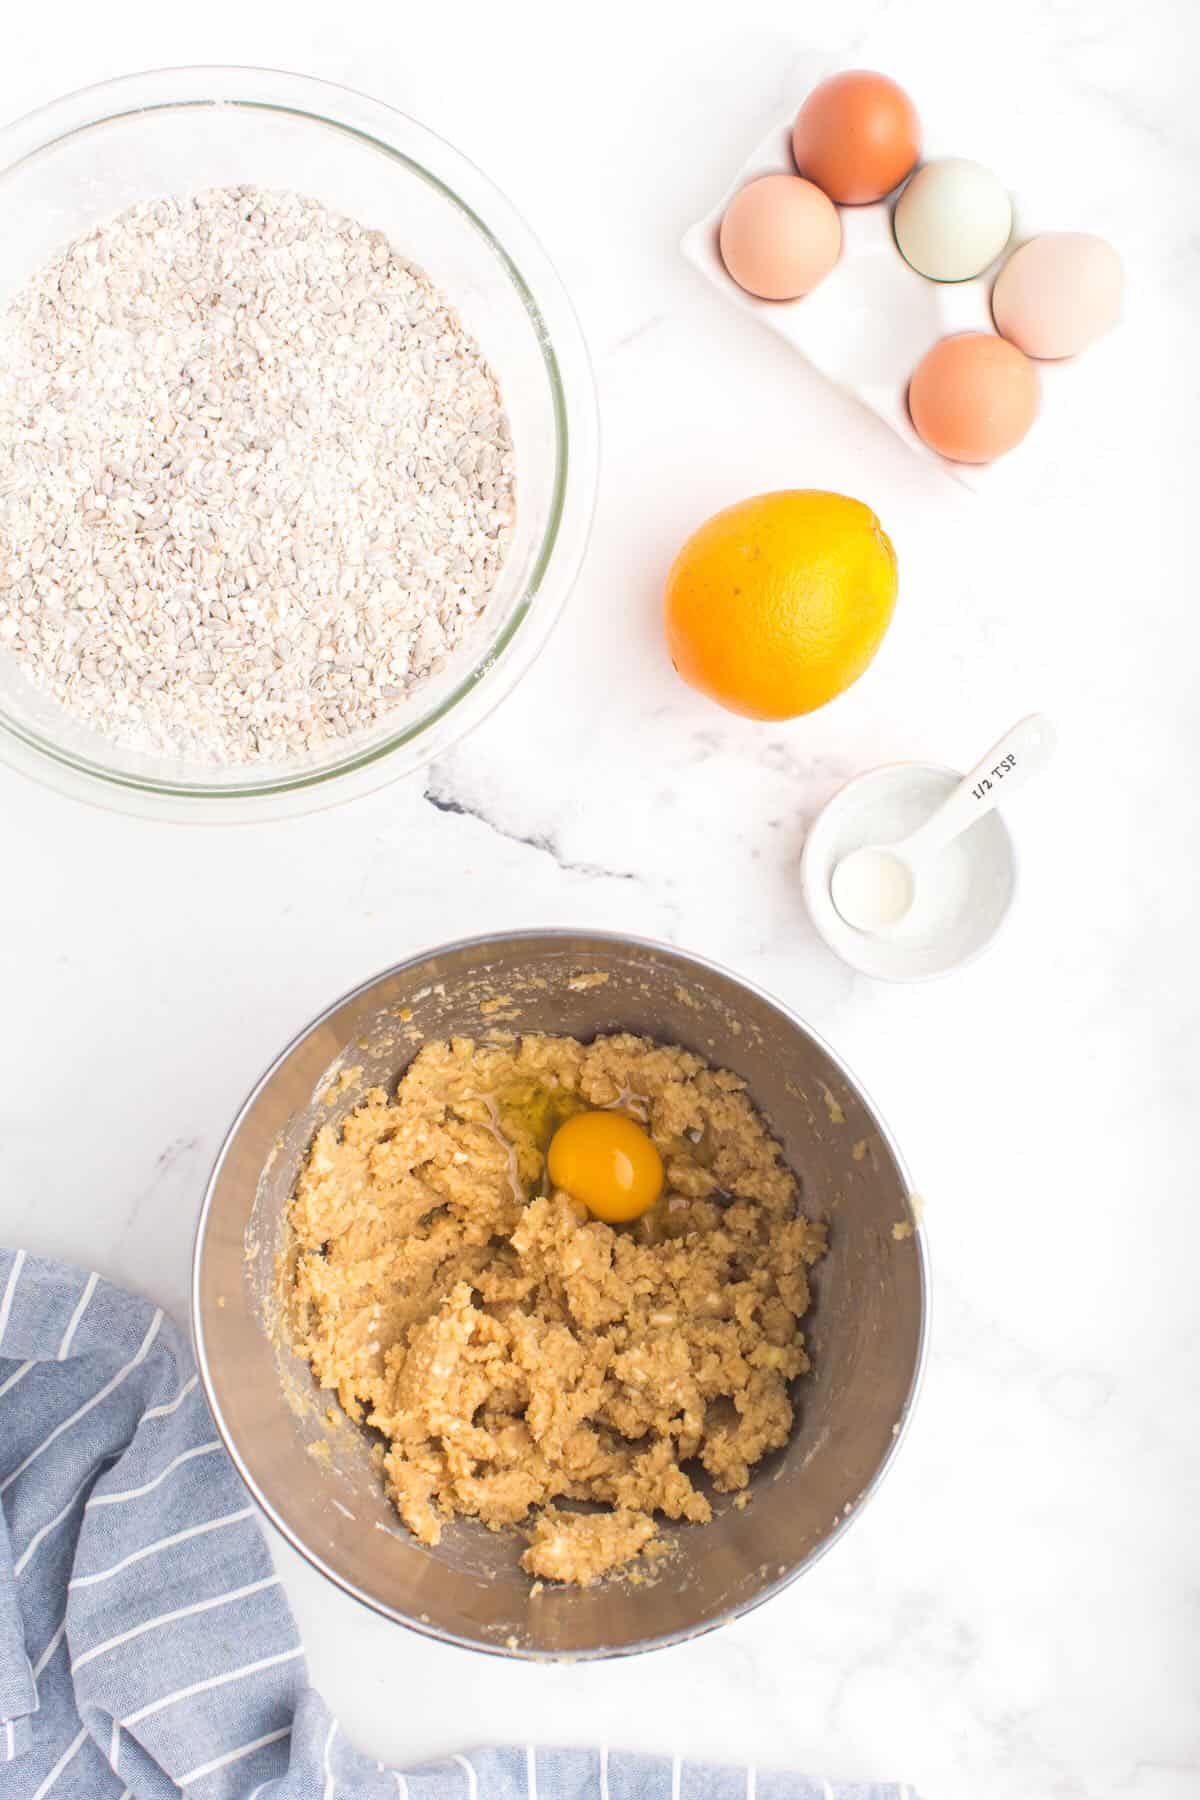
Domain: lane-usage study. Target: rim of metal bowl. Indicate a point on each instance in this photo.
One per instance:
(619, 940)
(556, 329)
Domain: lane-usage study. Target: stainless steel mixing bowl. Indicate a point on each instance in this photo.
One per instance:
(866, 1330)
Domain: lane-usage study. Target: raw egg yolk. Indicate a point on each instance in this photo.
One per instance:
(609, 1163)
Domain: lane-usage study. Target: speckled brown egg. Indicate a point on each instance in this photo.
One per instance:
(973, 397)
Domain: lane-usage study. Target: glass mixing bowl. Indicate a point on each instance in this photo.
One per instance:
(83, 158)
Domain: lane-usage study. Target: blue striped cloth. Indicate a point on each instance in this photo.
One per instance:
(146, 1647)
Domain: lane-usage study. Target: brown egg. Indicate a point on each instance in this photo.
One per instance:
(857, 136)
(973, 397)
(780, 236)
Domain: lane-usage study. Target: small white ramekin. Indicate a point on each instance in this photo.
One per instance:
(963, 898)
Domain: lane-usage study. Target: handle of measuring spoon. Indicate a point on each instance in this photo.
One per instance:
(1021, 754)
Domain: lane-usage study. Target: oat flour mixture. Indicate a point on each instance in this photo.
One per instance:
(516, 1353)
(257, 479)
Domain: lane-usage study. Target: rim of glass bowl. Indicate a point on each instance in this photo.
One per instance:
(573, 400)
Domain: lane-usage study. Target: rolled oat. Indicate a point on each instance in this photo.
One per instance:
(256, 478)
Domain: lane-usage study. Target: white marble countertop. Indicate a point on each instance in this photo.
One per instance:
(1017, 1615)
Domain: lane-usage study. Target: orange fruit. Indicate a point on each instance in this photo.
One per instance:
(777, 604)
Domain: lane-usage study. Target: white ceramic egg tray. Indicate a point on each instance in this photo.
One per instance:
(869, 323)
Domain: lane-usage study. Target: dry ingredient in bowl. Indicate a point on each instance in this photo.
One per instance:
(257, 480)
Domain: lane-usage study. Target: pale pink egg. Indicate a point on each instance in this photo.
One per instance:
(780, 236)
(1057, 294)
